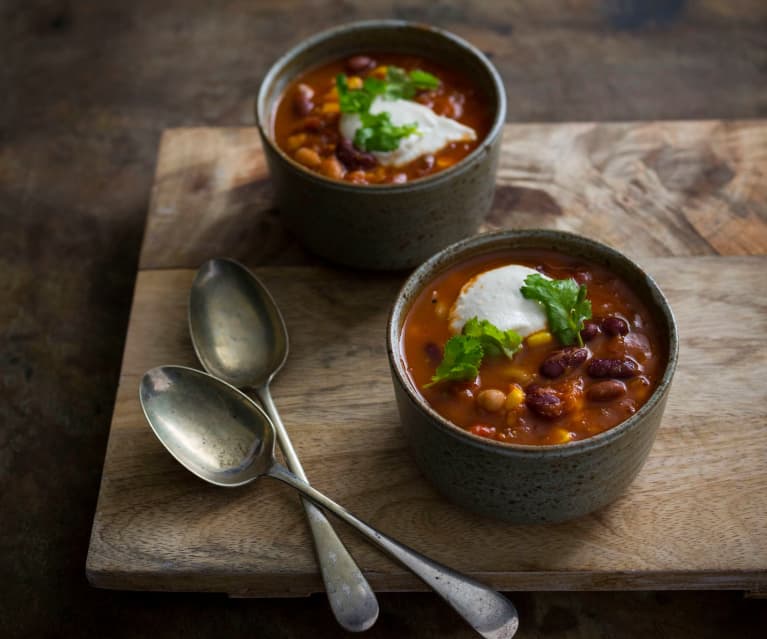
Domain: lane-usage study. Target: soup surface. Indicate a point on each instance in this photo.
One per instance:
(423, 118)
(546, 392)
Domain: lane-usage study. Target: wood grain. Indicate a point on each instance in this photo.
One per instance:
(651, 189)
(91, 87)
(693, 519)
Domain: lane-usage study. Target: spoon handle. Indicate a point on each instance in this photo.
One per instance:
(487, 611)
(351, 598)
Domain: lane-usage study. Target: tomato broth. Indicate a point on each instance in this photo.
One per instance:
(584, 400)
(306, 119)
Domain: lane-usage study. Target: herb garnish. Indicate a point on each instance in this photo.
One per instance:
(464, 353)
(378, 132)
(565, 304)
(493, 339)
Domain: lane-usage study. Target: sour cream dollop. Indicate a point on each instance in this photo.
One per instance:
(434, 131)
(495, 296)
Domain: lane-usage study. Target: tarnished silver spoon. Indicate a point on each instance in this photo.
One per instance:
(240, 337)
(223, 437)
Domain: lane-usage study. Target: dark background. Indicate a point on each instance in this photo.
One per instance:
(86, 87)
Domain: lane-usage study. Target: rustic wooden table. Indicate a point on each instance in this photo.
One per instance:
(88, 87)
(676, 196)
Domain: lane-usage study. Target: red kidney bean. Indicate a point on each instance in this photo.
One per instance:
(465, 389)
(590, 330)
(582, 277)
(450, 106)
(352, 158)
(606, 389)
(619, 368)
(433, 352)
(552, 368)
(302, 99)
(359, 63)
(563, 360)
(615, 326)
(313, 123)
(639, 344)
(426, 163)
(544, 401)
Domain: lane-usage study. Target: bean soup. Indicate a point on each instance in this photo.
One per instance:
(380, 118)
(532, 347)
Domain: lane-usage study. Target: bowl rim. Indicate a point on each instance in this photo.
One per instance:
(362, 25)
(485, 243)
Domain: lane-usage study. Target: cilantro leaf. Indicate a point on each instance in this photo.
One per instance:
(423, 80)
(401, 84)
(398, 84)
(378, 133)
(352, 101)
(565, 303)
(493, 339)
(374, 86)
(463, 355)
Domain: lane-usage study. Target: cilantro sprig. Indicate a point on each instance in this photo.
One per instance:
(401, 84)
(464, 353)
(461, 360)
(494, 341)
(377, 131)
(565, 304)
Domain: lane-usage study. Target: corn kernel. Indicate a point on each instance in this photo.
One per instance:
(540, 338)
(380, 72)
(354, 82)
(331, 107)
(512, 419)
(518, 375)
(515, 396)
(332, 95)
(295, 142)
(560, 436)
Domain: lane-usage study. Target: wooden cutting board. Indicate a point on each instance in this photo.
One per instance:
(694, 518)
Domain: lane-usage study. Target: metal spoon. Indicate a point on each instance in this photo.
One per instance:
(223, 437)
(240, 337)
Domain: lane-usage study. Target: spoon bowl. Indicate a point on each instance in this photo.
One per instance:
(219, 435)
(222, 436)
(237, 330)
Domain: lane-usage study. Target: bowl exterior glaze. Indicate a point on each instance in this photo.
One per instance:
(523, 483)
(384, 227)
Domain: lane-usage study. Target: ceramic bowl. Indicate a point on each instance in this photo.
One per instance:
(527, 483)
(387, 226)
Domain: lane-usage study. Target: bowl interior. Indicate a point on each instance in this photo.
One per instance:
(387, 36)
(565, 243)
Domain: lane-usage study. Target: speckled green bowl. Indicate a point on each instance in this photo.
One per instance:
(389, 226)
(525, 483)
